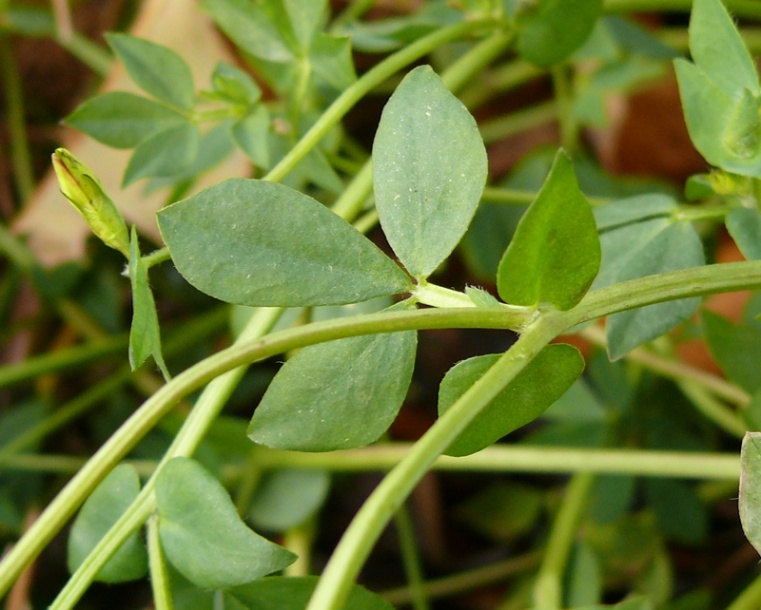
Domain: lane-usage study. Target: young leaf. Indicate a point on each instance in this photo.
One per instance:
(429, 167)
(331, 60)
(202, 534)
(718, 49)
(164, 154)
(256, 243)
(305, 19)
(123, 120)
(536, 387)
(336, 395)
(156, 69)
(675, 247)
(548, 32)
(251, 134)
(144, 334)
(235, 84)
(293, 593)
(750, 488)
(744, 225)
(736, 348)
(554, 255)
(101, 510)
(250, 27)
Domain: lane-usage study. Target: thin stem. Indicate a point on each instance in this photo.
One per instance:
(520, 197)
(468, 580)
(365, 84)
(569, 126)
(516, 122)
(160, 584)
(20, 155)
(359, 538)
(548, 590)
(411, 558)
(157, 256)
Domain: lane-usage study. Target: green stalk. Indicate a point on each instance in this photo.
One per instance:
(367, 83)
(719, 467)
(750, 598)
(20, 156)
(502, 127)
(160, 581)
(358, 540)
(411, 559)
(548, 590)
(741, 8)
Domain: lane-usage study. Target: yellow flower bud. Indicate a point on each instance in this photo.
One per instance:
(80, 186)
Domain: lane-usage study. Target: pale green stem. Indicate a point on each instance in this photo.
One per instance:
(364, 85)
(741, 8)
(299, 541)
(548, 590)
(449, 586)
(508, 125)
(160, 580)
(359, 539)
(569, 127)
(411, 558)
(721, 467)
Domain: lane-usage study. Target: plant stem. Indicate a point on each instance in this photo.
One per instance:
(20, 156)
(359, 538)
(564, 99)
(548, 590)
(750, 598)
(365, 84)
(160, 585)
(468, 580)
(741, 8)
(518, 121)
(411, 558)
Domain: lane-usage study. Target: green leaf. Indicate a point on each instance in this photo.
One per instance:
(336, 395)
(736, 348)
(717, 48)
(583, 579)
(235, 84)
(280, 248)
(332, 60)
(677, 246)
(250, 27)
(633, 209)
(680, 513)
(293, 593)
(287, 498)
(545, 379)
(633, 603)
(251, 134)
(742, 134)
(426, 189)
(164, 154)
(744, 225)
(750, 488)
(548, 32)
(123, 120)
(305, 19)
(554, 255)
(156, 69)
(144, 334)
(202, 534)
(503, 511)
(101, 510)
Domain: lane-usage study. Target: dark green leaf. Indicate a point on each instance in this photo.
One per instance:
(750, 488)
(548, 32)
(680, 512)
(164, 154)
(156, 69)
(426, 189)
(545, 379)
(736, 348)
(675, 247)
(280, 248)
(744, 225)
(293, 593)
(202, 534)
(101, 510)
(250, 27)
(287, 498)
(144, 334)
(502, 511)
(123, 120)
(554, 255)
(336, 395)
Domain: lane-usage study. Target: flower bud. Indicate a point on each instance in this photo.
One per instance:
(84, 190)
